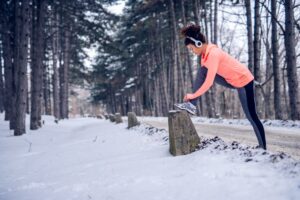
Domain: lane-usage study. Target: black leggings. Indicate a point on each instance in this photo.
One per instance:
(246, 96)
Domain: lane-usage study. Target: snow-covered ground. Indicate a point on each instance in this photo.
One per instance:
(266, 122)
(87, 158)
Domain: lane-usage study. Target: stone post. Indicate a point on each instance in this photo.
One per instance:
(132, 120)
(118, 118)
(183, 136)
(112, 118)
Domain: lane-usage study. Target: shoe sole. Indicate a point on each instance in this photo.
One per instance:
(185, 110)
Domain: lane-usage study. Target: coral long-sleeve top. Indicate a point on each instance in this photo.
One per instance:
(219, 62)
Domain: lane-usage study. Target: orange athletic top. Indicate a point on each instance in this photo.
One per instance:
(219, 62)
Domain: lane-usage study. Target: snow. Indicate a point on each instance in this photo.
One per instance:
(144, 19)
(129, 85)
(88, 158)
(293, 124)
(117, 8)
(266, 122)
(131, 79)
(173, 111)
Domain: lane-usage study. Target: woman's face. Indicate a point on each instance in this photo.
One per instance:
(194, 49)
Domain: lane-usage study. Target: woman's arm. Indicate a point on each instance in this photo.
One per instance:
(212, 65)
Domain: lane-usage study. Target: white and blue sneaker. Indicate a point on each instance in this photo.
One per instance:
(188, 106)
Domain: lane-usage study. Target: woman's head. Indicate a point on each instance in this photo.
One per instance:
(194, 39)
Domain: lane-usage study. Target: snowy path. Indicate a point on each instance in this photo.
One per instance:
(278, 138)
(88, 158)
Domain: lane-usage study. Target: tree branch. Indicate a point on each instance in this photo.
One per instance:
(273, 17)
(265, 82)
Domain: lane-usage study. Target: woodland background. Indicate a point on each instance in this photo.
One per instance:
(140, 61)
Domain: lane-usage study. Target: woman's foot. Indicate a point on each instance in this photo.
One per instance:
(188, 106)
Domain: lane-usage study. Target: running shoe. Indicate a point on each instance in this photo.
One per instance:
(188, 106)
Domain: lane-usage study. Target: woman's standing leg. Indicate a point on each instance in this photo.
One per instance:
(246, 95)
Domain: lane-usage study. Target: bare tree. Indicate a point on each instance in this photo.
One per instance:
(23, 12)
(257, 55)
(64, 75)
(268, 72)
(249, 34)
(47, 90)
(55, 59)
(275, 62)
(215, 40)
(290, 43)
(1, 82)
(178, 78)
(7, 33)
(186, 53)
(38, 52)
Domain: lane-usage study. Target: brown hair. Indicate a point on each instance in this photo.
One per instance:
(193, 31)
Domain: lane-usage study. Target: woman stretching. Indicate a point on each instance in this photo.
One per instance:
(217, 66)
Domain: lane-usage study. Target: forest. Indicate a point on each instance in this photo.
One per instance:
(141, 62)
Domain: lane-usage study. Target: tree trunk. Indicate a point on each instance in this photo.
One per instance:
(7, 20)
(47, 91)
(163, 77)
(186, 53)
(285, 94)
(196, 12)
(16, 61)
(64, 81)
(210, 103)
(55, 79)
(66, 76)
(178, 81)
(205, 19)
(257, 56)
(1, 83)
(38, 53)
(22, 72)
(275, 62)
(215, 41)
(249, 35)
(211, 24)
(267, 96)
(173, 76)
(290, 43)
(216, 23)
(223, 106)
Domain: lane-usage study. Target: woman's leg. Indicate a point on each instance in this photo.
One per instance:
(200, 78)
(221, 81)
(246, 95)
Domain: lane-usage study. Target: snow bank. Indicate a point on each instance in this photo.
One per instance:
(266, 122)
(86, 158)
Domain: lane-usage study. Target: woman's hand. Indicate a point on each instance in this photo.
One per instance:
(188, 97)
